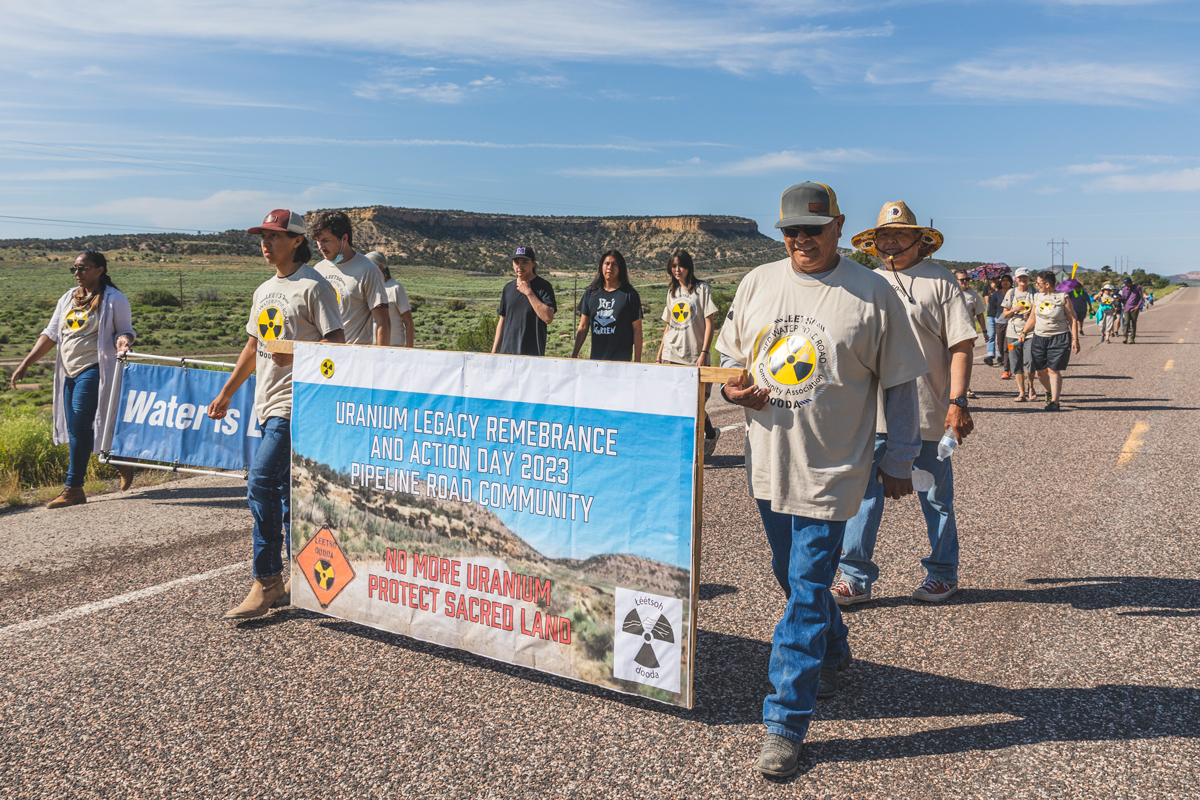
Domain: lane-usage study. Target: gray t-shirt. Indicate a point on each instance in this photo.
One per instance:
(1023, 303)
(302, 307)
(359, 287)
(1050, 314)
(683, 340)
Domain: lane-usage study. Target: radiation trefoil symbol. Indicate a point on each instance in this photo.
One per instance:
(1045, 308)
(270, 323)
(327, 368)
(791, 360)
(681, 312)
(647, 645)
(76, 318)
(323, 574)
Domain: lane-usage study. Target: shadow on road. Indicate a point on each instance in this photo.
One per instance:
(1162, 597)
(227, 496)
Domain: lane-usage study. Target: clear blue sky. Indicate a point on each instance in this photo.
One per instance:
(1008, 123)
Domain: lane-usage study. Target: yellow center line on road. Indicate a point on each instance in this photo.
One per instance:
(1170, 363)
(1132, 444)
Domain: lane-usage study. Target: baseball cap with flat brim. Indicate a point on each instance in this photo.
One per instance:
(281, 219)
(807, 203)
(525, 252)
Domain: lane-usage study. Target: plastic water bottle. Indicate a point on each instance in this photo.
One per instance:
(947, 445)
(922, 480)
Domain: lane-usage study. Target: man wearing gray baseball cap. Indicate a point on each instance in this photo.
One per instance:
(820, 335)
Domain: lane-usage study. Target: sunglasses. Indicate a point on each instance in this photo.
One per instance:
(77, 270)
(794, 231)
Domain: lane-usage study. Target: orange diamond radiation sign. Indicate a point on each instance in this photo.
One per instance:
(325, 566)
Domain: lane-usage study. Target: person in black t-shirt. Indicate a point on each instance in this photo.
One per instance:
(612, 310)
(527, 306)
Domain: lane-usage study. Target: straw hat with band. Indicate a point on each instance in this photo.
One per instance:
(898, 215)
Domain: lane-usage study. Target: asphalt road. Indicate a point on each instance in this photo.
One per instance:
(1067, 666)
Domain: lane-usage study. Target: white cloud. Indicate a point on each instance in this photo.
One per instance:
(1005, 181)
(229, 208)
(1183, 180)
(768, 163)
(1097, 168)
(506, 31)
(545, 81)
(1086, 83)
(405, 83)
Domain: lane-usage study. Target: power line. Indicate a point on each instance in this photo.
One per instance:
(101, 224)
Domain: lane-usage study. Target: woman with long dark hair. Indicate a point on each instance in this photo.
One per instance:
(91, 325)
(612, 310)
(688, 336)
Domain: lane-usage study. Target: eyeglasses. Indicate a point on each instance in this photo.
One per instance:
(794, 231)
(77, 270)
(963, 280)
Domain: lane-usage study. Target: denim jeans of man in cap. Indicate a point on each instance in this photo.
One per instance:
(858, 566)
(81, 395)
(269, 493)
(811, 634)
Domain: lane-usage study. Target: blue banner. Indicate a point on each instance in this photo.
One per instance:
(163, 417)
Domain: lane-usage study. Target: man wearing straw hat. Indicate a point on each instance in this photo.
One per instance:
(945, 335)
(822, 335)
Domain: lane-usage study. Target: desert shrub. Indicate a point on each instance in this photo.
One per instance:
(208, 295)
(160, 298)
(43, 304)
(27, 450)
(455, 304)
(415, 301)
(478, 339)
(722, 300)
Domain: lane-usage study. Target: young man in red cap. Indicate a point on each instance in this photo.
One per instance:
(297, 304)
(822, 335)
(527, 306)
(358, 282)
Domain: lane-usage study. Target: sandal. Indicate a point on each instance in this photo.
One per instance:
(971, 395)
(1022, 399)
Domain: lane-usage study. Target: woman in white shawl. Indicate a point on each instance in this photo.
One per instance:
(91, 326)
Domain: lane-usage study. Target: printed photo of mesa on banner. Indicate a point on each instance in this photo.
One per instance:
(541, 512)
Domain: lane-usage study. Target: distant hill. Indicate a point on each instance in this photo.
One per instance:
(482, 242)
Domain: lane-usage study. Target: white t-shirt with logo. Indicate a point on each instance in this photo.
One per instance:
(397, 305)
(685, 313)
(824, 346)
(940, 319)
(79, 339)
(1023, 303)
(359, 287)
(302, 307)
(1050, 314)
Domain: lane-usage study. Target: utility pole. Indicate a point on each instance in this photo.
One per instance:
(181, 290)
(1058, 247)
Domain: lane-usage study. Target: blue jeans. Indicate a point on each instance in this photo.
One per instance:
(804, 557)
(937, 505)
(269, 493)
(81, 395)
(990, 325)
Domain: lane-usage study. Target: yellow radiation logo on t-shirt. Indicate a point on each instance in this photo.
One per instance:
(791, 359)
(270, 323)
(1045, 308)
(76, 318)
(327, 368)
(1022, 306)
(681, 312)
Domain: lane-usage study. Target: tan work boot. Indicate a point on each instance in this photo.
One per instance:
(126, 473)
(285, 599)
(70, 497)
(263, 594)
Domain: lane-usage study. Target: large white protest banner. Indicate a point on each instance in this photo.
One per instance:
(541, 512)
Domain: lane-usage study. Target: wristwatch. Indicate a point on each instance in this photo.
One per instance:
(961, 402)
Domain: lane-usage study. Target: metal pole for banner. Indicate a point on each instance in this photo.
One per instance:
(114, 402)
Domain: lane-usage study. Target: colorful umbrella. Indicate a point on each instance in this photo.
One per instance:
(987, 271)
(1069, 285)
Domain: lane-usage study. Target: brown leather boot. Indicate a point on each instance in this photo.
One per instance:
(126, 475)
(285, 599)
(263, 594)
(70, 497)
